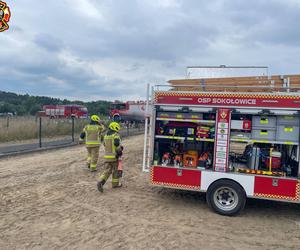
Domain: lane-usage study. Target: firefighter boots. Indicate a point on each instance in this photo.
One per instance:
(100, 186)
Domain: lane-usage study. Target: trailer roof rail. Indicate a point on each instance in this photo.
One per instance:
(227, 88)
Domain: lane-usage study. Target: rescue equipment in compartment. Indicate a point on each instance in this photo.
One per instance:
(166, 159)
(177, 161)
(260, 172)
(160, 130)
(253, 154)
(212, 132)
(172, 131)
(274, 160)
(202, 132)
(256, 155)
(190, 159)
(204, 160)
(190, 131)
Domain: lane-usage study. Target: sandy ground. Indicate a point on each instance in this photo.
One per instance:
(49, 201)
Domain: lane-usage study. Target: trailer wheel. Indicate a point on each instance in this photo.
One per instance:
(226, 197)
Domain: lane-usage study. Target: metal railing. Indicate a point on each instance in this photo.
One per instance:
(226, 88)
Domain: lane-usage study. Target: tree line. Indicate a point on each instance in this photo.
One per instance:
(29, 105)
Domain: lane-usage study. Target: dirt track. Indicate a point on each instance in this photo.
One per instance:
(49, 201)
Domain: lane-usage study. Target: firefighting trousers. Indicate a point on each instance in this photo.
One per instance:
(110, 168)
(93, 155)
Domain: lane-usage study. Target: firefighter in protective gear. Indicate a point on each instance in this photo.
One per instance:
(113, 150)
(92, 134)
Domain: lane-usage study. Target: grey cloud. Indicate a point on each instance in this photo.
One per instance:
(49, 42)
(114, 50)
(272, 22)
(138, 31)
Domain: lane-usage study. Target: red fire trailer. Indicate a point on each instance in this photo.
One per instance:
(231, 145)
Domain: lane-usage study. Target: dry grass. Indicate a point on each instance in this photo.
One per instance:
(20, 128)
(24, 128)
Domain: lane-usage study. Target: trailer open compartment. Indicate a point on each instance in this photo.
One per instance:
(229, 145)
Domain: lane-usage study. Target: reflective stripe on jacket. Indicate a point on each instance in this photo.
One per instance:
(93, 134)
(110, 141)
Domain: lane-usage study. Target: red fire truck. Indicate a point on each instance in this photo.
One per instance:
(64, 111)
(230, 143)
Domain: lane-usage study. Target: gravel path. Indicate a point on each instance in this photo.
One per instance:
(49, 201)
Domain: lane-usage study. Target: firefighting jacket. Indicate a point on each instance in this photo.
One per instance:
(112, 145)
(92, 134)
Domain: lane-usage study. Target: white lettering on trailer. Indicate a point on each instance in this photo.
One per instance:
(269, 101)
(246, 181)
(224, 101)
(204, 100)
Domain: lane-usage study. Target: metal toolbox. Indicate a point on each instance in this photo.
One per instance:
(288, 120)
(287, 133)
(264, 122)
(263, 134)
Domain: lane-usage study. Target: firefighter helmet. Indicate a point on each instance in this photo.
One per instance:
(114, 126)
(95, 118)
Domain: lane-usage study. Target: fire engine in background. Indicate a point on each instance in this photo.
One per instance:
(128, 111)
(64, 111)
(232, 138)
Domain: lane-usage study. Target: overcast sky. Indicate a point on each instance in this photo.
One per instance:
(110, 49)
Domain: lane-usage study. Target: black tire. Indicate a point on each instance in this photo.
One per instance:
(226, 197)
(116, 118)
